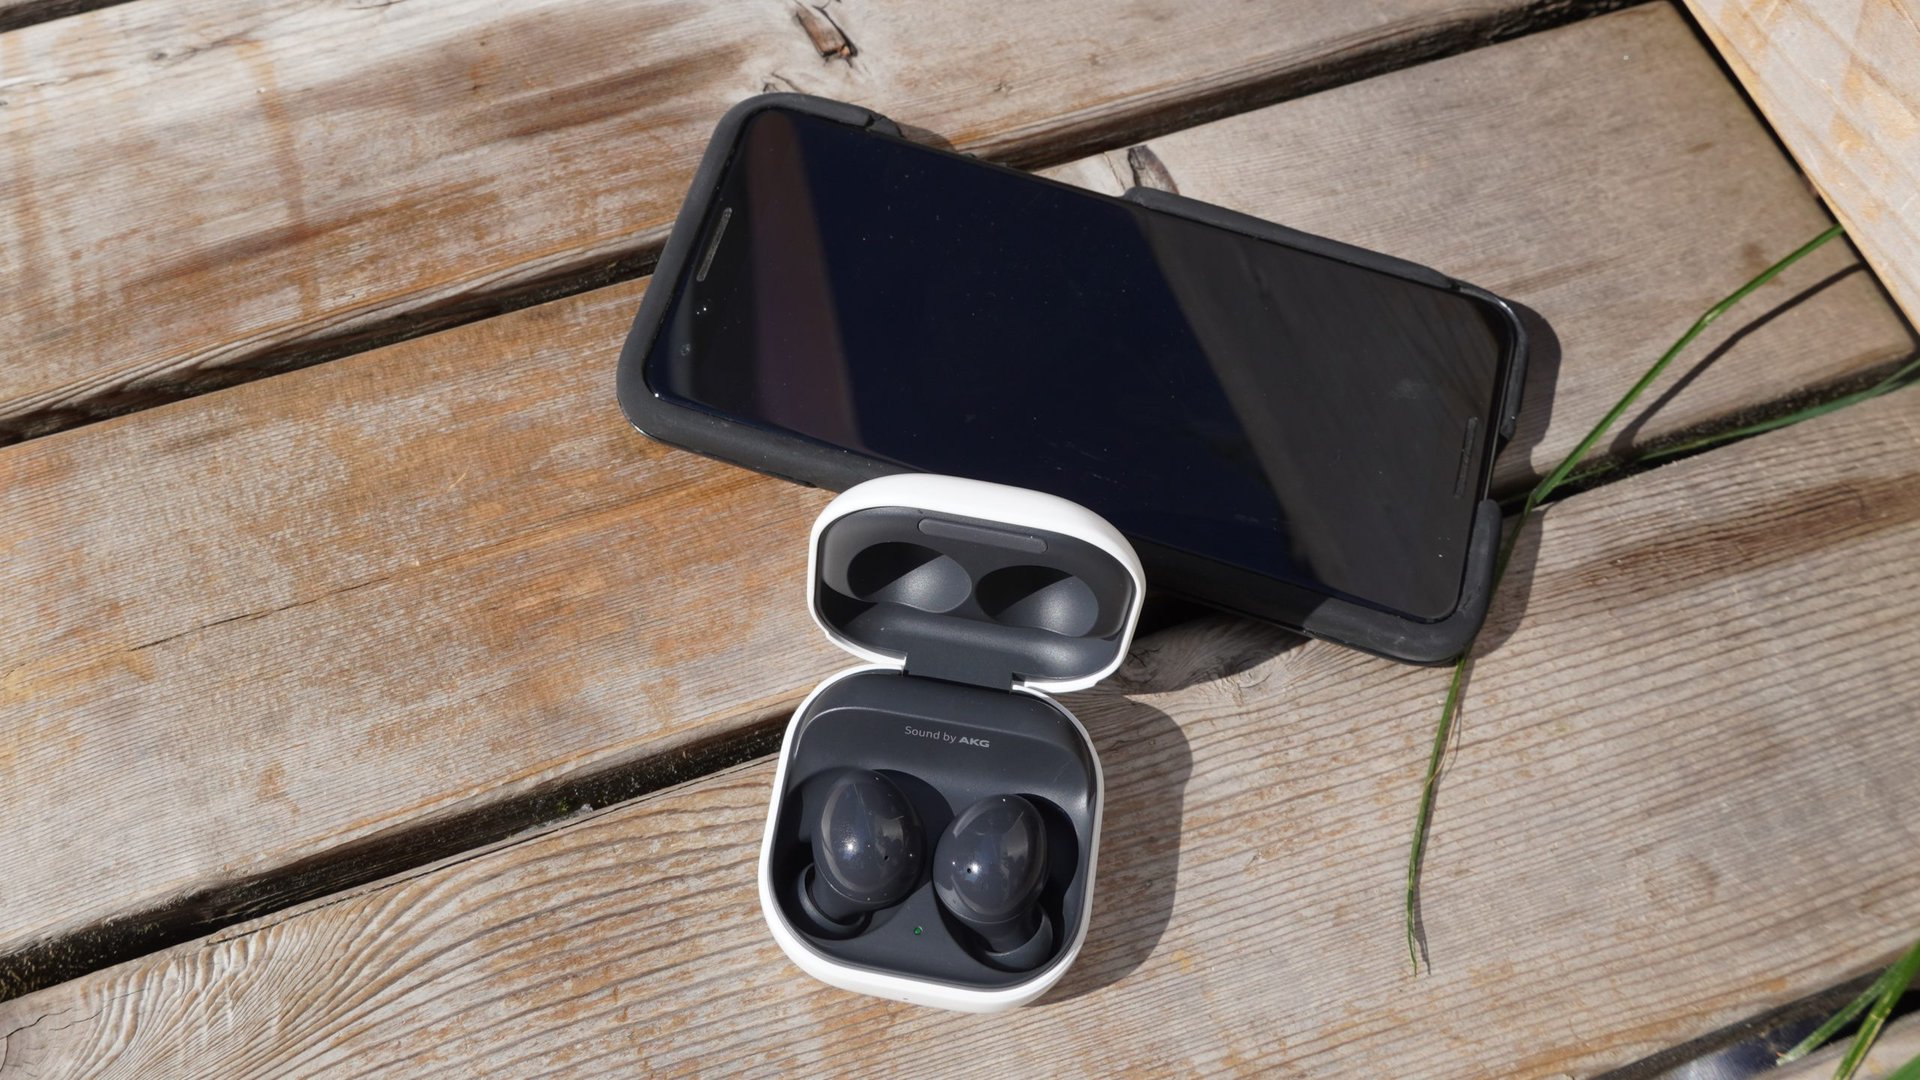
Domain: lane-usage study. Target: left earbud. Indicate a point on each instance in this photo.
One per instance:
(868, 850)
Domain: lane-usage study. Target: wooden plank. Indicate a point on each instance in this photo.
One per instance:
(1840, 82)
(200, 192)
(1899, 1043)
(436, 580)
(1680, 795)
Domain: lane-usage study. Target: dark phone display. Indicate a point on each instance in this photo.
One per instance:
(1232, 398)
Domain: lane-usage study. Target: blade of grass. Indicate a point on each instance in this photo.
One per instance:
(1909, 1071)
(1837, 1021)
(1594, 469)
(1451, 708)
(1419, 846)
(1896, 979)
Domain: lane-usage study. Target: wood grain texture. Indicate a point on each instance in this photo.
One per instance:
(1647, 140)
(436, 578)
(363, 597)
(199, 191)
(1615, 864)
(1840, 82)
(1898, 1044)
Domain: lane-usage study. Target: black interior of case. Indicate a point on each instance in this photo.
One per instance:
(969, 605)
(969, 600)
(900, 726)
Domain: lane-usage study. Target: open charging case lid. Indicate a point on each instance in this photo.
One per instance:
(974, 582)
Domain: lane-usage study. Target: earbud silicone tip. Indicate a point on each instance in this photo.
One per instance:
(823, 926)
(1030, 953)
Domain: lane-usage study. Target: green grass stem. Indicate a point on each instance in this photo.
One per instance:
(1878, 1001)
(1450, 709)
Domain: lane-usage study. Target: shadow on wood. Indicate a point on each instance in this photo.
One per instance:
(1629, 433)
(1536, 393)
(1146, 763)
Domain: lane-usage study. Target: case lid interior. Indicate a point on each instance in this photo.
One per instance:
(974, 582)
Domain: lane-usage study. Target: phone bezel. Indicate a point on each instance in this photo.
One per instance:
(806, 461)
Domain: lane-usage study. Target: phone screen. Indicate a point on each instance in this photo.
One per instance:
(1231, 398)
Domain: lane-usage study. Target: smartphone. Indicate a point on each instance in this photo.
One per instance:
(1284, 426)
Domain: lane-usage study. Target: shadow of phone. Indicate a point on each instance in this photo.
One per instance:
(1511, 590)
(1536, 395)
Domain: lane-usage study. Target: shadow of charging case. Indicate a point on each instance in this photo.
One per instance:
(971, 601)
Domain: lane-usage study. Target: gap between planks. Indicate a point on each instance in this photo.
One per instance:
(1679, 776)
(1899, 1043)
(1756, 1039)
(15, 14)
(409, 846)
(426, 580)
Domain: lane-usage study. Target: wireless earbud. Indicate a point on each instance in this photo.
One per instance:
(988, 870)
(868, 850)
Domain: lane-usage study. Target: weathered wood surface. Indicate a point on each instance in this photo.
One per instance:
(417, 583)
(284, 619)
(1840, 82)
(1613, 867)
(199, 190)
(1899, 1043)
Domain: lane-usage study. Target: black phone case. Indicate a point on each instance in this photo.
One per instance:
(805, 461)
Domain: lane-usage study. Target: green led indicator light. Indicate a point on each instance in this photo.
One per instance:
(916, 931)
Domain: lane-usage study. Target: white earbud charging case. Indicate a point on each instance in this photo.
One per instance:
(971, 602)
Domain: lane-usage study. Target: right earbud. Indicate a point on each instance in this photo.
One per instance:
(988, 870)
(868, 850)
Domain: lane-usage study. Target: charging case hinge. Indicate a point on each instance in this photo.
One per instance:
(959, 665)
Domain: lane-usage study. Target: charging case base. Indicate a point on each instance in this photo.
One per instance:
(946, 745)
